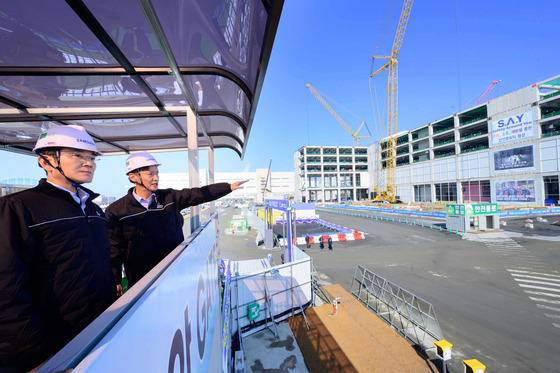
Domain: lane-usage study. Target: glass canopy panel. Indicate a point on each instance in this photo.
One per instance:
(221, 124)
(129, 29)
(217, 93)
(73, 91)
(167, 90)
(110, 129)
(230, 39)
(36, 33)
(23, 133)
(221, 141)
(156, 144)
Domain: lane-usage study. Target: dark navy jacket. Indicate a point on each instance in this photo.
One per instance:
(55, 272)
(141, 238)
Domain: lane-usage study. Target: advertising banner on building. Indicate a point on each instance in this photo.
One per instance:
(514, 158)
(515, 127)
(515, 191)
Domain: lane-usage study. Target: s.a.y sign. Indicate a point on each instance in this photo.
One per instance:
(515, 127)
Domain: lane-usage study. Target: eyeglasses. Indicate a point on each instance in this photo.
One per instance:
(151, 174)
(82, 157)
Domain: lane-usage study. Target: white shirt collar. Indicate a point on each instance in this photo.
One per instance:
(80, 196)
(141, 200)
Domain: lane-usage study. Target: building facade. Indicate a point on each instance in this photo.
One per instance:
(331, 173)
(280, 184)
(505, 151)
(16, 184)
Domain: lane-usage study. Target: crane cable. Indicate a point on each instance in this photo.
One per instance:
(383, 30)
(377, 121)
(378, 128)
(379, 124)
(342, 107)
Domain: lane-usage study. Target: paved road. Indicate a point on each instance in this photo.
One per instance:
(496, 296)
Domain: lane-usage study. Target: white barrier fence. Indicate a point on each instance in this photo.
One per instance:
(280, 292)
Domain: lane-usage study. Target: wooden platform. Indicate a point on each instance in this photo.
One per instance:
(353, 340)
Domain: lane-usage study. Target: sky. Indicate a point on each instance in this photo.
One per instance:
(451, 52)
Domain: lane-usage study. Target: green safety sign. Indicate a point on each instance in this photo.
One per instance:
(472, 209)
(253, 311)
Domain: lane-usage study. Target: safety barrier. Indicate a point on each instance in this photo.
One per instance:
(410, 315)
(276, 292)
(170, 317)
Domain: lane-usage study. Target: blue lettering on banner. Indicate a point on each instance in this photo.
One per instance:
(205, 294)
(226, 332)
(165, 325)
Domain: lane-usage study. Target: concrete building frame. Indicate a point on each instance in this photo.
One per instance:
(505, 151)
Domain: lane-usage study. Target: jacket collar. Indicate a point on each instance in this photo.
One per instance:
(44, 184)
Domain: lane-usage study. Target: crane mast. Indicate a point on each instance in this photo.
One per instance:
(354, 135)
(392, 103)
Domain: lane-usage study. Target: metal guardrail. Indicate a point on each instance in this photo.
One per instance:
(410, 315)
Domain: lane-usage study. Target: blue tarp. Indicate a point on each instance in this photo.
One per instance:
(555, 210)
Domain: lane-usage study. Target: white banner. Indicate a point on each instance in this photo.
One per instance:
(171, 328)
(516, 127)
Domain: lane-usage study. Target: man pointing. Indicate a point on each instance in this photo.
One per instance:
(146, 224)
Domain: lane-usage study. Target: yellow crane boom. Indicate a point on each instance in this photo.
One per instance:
(354, 135)
(392, 102)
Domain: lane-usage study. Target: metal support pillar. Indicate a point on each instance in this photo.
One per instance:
(289, 216)
(211, 177)
(192, 143)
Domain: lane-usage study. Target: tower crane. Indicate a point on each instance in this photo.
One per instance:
(485, 93)
(354, 135)
(392, 104)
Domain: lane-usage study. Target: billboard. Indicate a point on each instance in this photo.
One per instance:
(515, 127)
(510, 159)
(515, 191)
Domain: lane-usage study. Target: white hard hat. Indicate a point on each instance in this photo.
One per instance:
(71, 136)
(139, 160)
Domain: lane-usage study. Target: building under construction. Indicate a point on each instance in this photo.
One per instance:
(331, 173)
(506, 151)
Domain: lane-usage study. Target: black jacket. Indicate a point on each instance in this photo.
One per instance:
(55, 274)
(141, 238)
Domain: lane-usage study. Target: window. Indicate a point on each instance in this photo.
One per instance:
(330, 181)
(346, 195)
(551, 190)
(346, 180)
(423, 193)
(446, 192)
(314, 181)
(476, 191)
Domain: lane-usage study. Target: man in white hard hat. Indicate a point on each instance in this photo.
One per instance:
(146, 224)
(55, 270)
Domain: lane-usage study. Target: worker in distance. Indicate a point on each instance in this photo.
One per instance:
(146, 224)
(55, 269)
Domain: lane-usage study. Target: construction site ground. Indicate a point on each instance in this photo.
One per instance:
(353, 340)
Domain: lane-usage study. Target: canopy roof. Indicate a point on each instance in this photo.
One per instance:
(128, 70)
